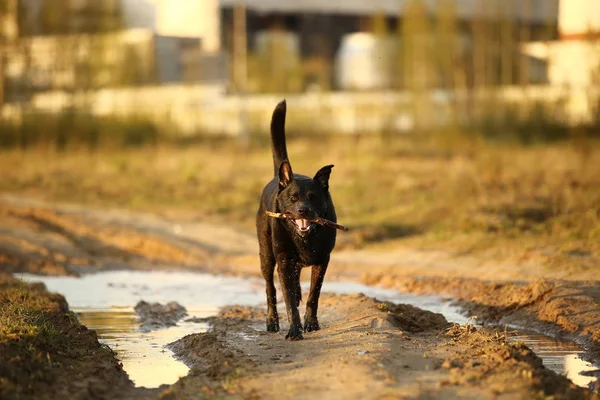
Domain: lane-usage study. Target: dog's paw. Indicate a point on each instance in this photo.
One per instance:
(273, 324)
(311, 325)
(295, 333)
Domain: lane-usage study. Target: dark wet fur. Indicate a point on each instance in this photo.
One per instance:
(281, 242)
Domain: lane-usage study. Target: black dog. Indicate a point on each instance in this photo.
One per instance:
(294, 244)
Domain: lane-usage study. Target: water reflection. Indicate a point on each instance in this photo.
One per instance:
(143, 355)
(561, 357)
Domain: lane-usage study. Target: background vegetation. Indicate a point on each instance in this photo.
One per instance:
(511, 177)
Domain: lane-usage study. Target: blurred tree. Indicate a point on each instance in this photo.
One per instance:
(276, 66)
(418, 67)
(73, 48)
(240, 48)
(9, 28)
(132, 72)
(54, 17)
(524, 37)
(507, 43)
(417, 50)
(479, 33)
(447, 42)
(379, 24)
(383, 49)
(62, 17)
(450, 60)
(86, 46)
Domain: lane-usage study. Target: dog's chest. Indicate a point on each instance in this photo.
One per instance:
(314, 250)
(310, 257)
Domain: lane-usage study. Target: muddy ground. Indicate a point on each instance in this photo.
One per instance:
(366, 350)
(373, 350)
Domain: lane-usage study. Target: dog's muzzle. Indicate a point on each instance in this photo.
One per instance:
(303, 225)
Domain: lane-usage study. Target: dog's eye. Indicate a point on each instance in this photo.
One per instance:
(294, 198)
(311, 196)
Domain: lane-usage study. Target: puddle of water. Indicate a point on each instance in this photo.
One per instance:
(561, 357)
(104, 302)
(126, 288)
(143, 355)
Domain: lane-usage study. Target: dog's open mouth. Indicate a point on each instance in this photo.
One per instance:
(303, 225)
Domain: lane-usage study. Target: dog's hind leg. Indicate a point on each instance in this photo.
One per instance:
(311, 323)
(267, 265)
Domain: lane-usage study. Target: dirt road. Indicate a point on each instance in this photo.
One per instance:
(366, 349)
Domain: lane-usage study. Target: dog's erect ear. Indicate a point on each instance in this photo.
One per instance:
(322, 176)
(286, 176)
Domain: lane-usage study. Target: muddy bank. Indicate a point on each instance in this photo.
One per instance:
(562, 309)
(48, 241)
(155, 316)
(366, 350)
(46, 354)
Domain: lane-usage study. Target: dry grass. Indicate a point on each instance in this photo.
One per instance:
(470, 196)
(31, 321)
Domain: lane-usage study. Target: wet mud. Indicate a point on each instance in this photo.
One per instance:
(155, 315)
(560, 309)
(366, 349)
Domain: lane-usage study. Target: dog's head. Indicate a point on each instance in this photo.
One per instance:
(303, 197)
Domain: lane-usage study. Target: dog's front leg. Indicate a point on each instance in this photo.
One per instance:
(289, 276)
(311, 323)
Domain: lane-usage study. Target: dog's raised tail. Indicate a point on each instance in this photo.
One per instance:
(278, 136)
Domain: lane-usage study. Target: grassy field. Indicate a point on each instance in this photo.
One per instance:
(469, 196)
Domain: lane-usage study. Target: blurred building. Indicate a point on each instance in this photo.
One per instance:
(324, 28)
(577, 47)
(87, 44)
(174, 18)
(177, 18)
(169, 59)
(573, 60)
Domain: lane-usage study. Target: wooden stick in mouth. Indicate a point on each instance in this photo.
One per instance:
(317, 220)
